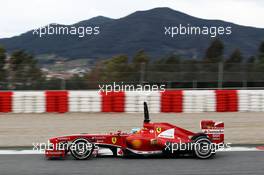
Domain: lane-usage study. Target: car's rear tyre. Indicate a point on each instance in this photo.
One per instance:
(203, 148)
(81, 149)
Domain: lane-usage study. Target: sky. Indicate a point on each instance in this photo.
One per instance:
(19, 16)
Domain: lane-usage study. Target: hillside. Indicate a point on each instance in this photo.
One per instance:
(140, 30)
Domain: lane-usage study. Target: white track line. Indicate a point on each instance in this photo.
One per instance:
(239, 149)
(106, 151)
(20, 152)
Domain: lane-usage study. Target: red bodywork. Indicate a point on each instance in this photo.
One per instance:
(151, 139)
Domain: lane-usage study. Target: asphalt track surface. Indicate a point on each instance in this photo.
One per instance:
(251, 162)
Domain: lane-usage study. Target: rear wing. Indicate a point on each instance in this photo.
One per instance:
(214, 130)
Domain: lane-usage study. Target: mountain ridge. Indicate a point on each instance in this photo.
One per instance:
(139, 30)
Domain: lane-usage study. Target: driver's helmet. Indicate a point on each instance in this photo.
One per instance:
(134, 130)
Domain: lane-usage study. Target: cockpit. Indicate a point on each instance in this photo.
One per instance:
(135, 130)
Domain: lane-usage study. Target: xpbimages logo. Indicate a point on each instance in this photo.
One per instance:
(55, 29)
(212, 31)
(192, 146)
(115, 87)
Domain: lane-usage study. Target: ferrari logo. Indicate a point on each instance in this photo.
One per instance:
(158, 130)
(114, 140)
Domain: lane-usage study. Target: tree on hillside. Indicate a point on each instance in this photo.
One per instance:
(260, 59)
(94, 76)
(173, 59)
(140, 57)
(214, 53)
(78, 82)
(169, 64)
(116, 68)
(252, 59)
(139, 62)
(113, 69)
(2, 64)
(261, 52)
(24, 69)
(235, 57)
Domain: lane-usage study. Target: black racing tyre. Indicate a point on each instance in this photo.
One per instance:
(203, 148)
(81, 149)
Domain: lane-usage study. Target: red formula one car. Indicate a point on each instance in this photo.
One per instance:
(153, 139)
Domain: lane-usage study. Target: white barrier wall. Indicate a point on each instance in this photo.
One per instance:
(189, 101)
(199, 101)
(84, 101)
(134, 101)
(251, 100)
(28, 102)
